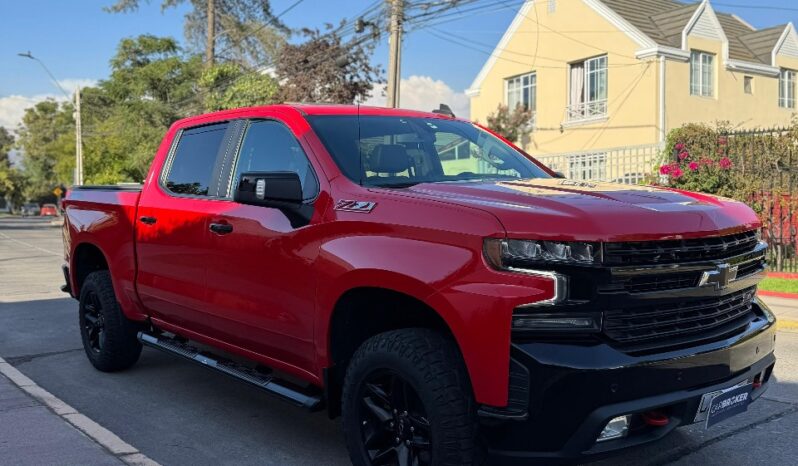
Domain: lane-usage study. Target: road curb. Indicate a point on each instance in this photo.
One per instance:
(105, 438)
(789, 325)
(777, 294)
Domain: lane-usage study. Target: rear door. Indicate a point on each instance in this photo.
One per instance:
(172, 231)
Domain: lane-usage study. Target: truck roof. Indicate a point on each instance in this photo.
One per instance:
(309, 109)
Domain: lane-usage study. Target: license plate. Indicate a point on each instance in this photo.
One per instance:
(727, 403)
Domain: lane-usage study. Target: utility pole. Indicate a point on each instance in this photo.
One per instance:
(210, 34)
(78, 141)
(395, 59)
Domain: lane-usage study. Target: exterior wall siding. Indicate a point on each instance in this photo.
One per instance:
(730, 102)
(632, 83)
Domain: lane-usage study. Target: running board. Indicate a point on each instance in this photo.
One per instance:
(267, 382)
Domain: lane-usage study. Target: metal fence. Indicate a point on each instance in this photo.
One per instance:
(629, 165)
(768, 160)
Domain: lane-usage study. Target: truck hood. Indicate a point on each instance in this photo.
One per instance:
(593, 211)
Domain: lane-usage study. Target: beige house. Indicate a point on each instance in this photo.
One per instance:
(607, 79)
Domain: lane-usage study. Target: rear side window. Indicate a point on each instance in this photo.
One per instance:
(194, 161)
(269, 146)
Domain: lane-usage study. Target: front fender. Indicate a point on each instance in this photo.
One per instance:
(474, 301)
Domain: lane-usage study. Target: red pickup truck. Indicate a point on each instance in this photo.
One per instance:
(454, 300)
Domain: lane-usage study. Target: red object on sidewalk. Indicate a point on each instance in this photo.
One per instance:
(787, 275)
(777, 294)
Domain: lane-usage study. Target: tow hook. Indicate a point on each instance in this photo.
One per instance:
(655, 418)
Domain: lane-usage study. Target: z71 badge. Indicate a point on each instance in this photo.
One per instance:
(363, 207)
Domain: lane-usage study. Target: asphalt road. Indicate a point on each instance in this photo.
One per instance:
(180, 414)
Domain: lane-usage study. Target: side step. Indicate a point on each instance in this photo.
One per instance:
(267, 382)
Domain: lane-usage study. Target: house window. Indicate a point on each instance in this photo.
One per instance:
(748, 84)
(702, 73)
(552, 6)
(587, 95)
(787, 88)
(522, 90)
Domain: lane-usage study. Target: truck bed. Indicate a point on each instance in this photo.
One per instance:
(103, 218)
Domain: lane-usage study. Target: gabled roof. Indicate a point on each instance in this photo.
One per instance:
(664, 20)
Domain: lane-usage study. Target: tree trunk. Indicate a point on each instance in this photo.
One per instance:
(210, 35)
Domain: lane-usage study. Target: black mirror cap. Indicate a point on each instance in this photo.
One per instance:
(269, 189)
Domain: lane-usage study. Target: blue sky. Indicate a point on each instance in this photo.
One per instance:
(77, 38)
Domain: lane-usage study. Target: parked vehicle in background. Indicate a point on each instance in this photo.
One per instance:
(447, 295)
(30, 209)
(49, 210)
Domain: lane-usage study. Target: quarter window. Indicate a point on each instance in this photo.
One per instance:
(194, 161)
(522, 91)
(269, 146)
(787, 88)
(702, 73)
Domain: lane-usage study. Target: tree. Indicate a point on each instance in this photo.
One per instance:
(228, 86)
(323, 69)
(12, 182)
(511, 124)
(47, 139)
(247, 29)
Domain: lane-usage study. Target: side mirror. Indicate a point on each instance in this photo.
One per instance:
(269, 189)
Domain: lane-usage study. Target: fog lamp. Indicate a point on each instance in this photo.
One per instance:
(618, 427)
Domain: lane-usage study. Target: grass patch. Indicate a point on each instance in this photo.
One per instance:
(782, 285)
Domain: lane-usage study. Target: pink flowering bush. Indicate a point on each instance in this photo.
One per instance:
(698, 158)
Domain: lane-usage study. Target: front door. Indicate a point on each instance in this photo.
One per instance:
(260, 281)
(172, 230)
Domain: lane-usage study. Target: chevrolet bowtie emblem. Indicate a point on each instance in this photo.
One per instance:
(720, 277)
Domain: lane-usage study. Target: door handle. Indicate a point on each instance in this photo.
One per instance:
(148, 220)
(221, 228)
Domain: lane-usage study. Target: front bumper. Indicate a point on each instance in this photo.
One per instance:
(575, 389)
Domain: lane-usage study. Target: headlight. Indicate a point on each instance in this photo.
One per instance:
(515, 253)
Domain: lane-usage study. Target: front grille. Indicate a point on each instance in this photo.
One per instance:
(680, 323)
(661, 282)
(674, 251)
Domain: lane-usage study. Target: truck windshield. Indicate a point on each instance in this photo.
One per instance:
(394, 151)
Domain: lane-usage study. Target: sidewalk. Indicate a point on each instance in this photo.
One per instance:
(31, 434)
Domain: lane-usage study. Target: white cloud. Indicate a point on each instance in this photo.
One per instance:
(425, 93)
(70, 84)
(12, 107)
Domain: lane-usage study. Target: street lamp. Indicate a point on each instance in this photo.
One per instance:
(78, 131)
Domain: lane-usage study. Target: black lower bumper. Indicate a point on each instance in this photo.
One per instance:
(575, 389)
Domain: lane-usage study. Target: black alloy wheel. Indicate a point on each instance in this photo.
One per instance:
(394, 423)
(93, 322)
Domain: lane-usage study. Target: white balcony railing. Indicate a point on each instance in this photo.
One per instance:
(586, 110)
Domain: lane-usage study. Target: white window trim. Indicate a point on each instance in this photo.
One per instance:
(787, 78)
(520, 78)
(587, 111)
(701, 54)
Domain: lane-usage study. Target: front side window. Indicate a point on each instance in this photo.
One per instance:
(787, 88)
(587, 96)
(269, 146)
(522, 91)
(194, 160)
(393, 151)
(702, 73)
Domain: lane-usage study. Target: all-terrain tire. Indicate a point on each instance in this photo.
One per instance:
(114, 346)
(430, 363)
